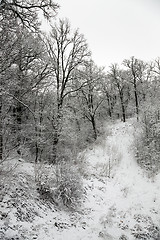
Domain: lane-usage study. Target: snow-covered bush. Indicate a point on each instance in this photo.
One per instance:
(69, 186)
(148, 144)
(60, 184)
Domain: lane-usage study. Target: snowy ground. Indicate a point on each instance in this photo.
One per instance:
(121, 202)
(127, 203)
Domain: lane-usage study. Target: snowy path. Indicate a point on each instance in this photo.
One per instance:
(121, 202)
(127, 203)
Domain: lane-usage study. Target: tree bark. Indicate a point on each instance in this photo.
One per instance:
(123, 109)
(136, 101)
(17, 117)
(94, 127)
(56, 135)
(109, 107)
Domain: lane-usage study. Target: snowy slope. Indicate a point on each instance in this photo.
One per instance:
(121, 202)
(129, 202)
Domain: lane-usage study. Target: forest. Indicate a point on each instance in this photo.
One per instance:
(55, 100)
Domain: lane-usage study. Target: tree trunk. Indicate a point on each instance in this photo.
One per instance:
(109, 107)
(94, 127)
(36, 144)
(113, 102)
(19, 123)
(123, 109)
(54, 148)
(56, 135)
(136, 101)
(17, 118)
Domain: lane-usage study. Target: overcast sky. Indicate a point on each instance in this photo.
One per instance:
(116, 29)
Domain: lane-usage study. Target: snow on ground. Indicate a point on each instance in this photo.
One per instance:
(129, 202)
(121, 202)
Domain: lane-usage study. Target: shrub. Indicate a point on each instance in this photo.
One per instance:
(60, 184)
(69, 187)
(148, 144)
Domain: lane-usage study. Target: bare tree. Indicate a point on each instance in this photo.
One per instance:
(119, 78)
(22, 70)
(136, 69)
(110, 94)
(26, 12)
(91, 96)
(15, 17)
(7, 54)
(67, 52)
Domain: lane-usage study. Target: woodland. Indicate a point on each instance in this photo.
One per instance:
(54, 100)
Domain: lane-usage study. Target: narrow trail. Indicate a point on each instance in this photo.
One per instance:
(120, 202)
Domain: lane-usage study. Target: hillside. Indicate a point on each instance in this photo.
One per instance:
(120, 202)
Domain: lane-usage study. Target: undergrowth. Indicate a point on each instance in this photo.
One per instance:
(148, 141)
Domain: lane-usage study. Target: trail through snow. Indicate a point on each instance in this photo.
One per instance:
(121, 202)
(127, 203)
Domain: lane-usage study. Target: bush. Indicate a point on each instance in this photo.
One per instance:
(69, 187)
(60, 184)
(148, 144)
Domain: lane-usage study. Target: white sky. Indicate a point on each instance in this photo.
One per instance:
(116, 29)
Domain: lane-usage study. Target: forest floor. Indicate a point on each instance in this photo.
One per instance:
(121, 202)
